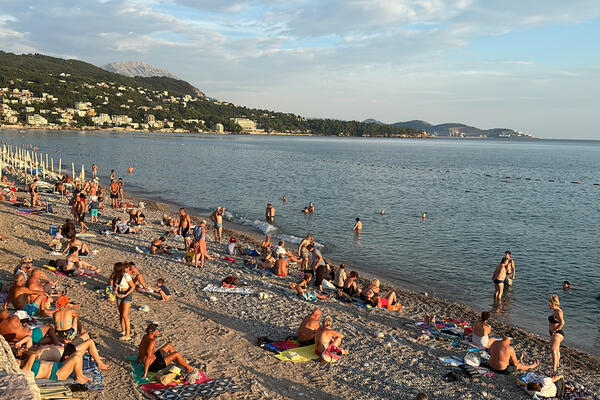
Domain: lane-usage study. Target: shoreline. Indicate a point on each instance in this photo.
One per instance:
(225, 330)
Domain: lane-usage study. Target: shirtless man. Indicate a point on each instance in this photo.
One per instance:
(326, 337)
(155, 360)
(185, 223)
(498, 278)
(121, 192)
(503, 359)
(511, 270)
(281, 266)
(217, 218)
(112, 174)
(23, 298)
(158, 246)
(38, 281)
(311, 208)
(114, 192)
(309, 327)
(270, 213)
(357, 225)
(94, 171)
(14, 332)
(130, 170)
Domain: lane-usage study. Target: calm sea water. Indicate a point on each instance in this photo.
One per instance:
(475, 212)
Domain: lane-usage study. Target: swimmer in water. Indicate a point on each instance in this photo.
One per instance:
(311, 208)
(130, 170)
(566, 286)
(382, 212)
(357, 225)
(305, 211)
(284, 199)
(424, 216)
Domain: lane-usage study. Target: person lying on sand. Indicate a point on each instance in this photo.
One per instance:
(23, 298)
(82, 248)
(326, 339)
(155, 360)
(121, 226)
(75, 266)
(158, 246)
(82, 344)
(168, 221)
(389, 299)
(55, 371)
(549, 387)
(369, 291)
(481, 332)
(14, 332)
(309, 327)
(503, 359)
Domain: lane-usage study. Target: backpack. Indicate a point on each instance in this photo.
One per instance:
(197, 233)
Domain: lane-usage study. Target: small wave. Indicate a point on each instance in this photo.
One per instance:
(263, 226)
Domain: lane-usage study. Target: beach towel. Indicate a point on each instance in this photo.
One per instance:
(137, 371)
(252, 253)
(210, 288)
(280, 346)
(149, 387)
(90, 369)
(30, 212)
(59, 391)
(298, 354)
(60, 273)
(215, 387)
(85, 235)
(485, 371)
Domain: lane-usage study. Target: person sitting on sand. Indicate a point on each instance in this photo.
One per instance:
(121, 226)
(2, 196)
(162, 290)
(369, 291)
(24, 267)
(351, 284)
(326, 339)
(304, 293)
(55, 371)
(233, 248)
(14, 332)
(309, 327)
(137, 277)
(503, 359)
(170, 222)
(82, 248)
(66, 320)
(280, 249)
(281, 267)
(68, 229)
(158, 246)
(23, 298)
(136, 217)
(549, 387)
(340, 276)
(75, 266)
(39, 281)
(155, 360)
(481, 332)
(266, 246)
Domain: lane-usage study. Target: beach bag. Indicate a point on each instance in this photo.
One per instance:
(472, 359)
(189, 257)
(331, 355)
(165, 376)
(197, 233)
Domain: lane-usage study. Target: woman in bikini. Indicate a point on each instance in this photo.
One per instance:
(66, 321)
(74, 266)
(82, 248)
(350, 284)
(556, 323)
(123, 288)
(369, 291)
(55, 371)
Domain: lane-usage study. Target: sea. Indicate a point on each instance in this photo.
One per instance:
(537, 198)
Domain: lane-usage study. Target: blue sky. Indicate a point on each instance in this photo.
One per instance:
(532, 66)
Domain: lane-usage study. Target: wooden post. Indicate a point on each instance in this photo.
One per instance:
(82, 173)
(52, 163)
(60, 166)
(73, 168)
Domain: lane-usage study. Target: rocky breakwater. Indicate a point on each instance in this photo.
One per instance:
(15, 384)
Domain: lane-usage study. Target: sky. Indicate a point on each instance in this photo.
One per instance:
(528, 65)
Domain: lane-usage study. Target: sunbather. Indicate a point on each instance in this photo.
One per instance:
(503, 359)
(481, 332)
(23, 298)
(281, 266)
(66, 320)
(120, 226)
(309, 327)
(82, 344)
(55, 371)
(168, 221)
(389, 299)
(302, 291)
(328, 339)
(369, 291)
(75, 266)
(351, 284)
(137, 277)
(549, 387)
(82, 248)
(158, 246)
(14, 332)
(155, 360)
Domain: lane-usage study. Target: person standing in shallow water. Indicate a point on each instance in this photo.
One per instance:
(130, 170)
(270, 213)
(358, 227)
(510, 269)
(498, 279)
(556, 323)
(94, 171)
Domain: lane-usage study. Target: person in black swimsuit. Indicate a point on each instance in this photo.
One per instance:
(556, 323)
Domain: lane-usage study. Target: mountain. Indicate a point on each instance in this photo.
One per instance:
(137, 68)
(457, 129)
(373, 121)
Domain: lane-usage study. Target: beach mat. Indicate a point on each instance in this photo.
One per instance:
(137, 371)
(210, 288)
(299, 354)
(215, 387)
(149, 387)
(90, 369)
(282, 345)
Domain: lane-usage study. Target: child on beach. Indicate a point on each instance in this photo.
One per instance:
(165, 293)
(94, 206)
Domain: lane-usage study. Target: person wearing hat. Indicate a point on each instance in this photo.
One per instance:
(233, 247)
(66, 320)
(154, 360)
(503, 359)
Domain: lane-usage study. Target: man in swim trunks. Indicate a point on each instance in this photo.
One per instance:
(155, 360)
(510, 269)
(270, 213)
(358, 227)
(503, 359)
(14, 332)
(217, 218)
(23, 298)
(309, 327)
(498, 279)
(114, 192)
(185, 223)
(281, 266)
(94, 171)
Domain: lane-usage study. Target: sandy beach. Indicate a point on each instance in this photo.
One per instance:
(386, 359)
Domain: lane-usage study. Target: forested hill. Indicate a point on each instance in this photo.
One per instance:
(183, 107)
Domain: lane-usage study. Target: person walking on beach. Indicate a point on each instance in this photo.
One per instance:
(498, 278)
(357, 225)
(94, 171)
(217, 218)
(556, 323)
(200, 252)
(123, 288)
(270, 213)
(114, 192)
(510, 269)
(185, 223)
